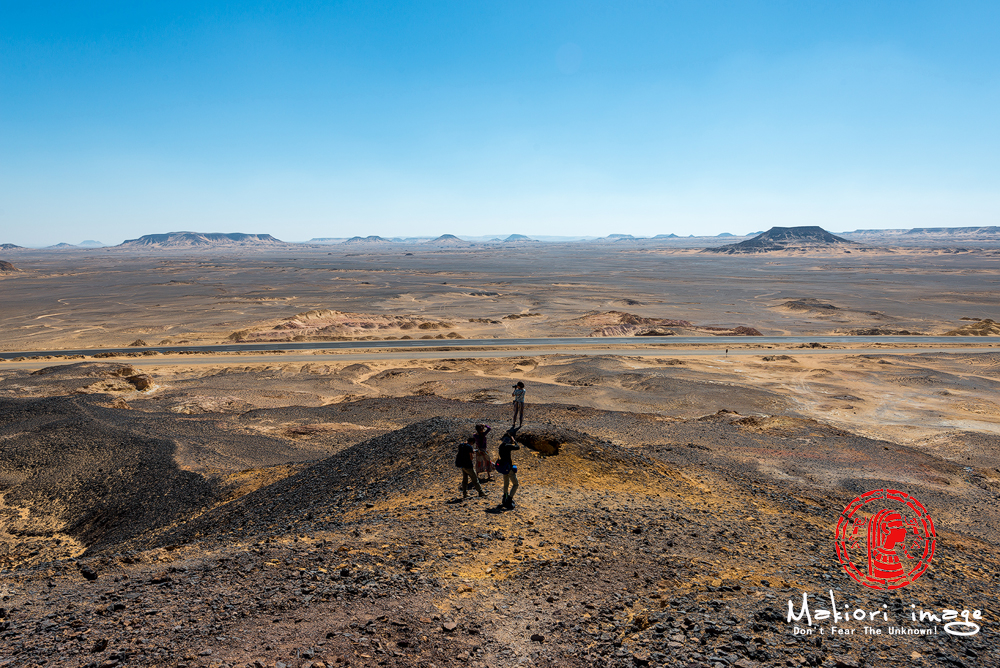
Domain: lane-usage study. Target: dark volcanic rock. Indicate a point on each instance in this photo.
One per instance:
(786, 238)
(7, 267)
(105, 483)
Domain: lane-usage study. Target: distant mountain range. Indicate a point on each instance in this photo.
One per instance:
(786, 238)
(200, 240)
(990, 232)
(776, 238)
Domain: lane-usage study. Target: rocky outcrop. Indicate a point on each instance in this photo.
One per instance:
(978, 327)
(7, 267)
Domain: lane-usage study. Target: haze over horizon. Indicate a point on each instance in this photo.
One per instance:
(560, 119)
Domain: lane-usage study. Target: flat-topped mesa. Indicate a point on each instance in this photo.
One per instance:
(518, 238)
(199, 240)
(808, 237)
(371, 239)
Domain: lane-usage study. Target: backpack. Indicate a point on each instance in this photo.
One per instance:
(462, 457)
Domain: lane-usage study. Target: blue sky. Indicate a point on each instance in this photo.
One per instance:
(311, 120)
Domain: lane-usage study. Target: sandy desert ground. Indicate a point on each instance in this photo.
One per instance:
(83, 299)
(259, 512)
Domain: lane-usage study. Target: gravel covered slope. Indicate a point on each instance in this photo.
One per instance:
(80, 476)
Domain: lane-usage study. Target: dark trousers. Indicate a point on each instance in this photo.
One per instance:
(467, 475)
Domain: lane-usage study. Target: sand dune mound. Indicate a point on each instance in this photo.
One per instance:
(621, 323)
(808, 237)
(326, 324)
(880, 331)
(808, 304)
(984, 327)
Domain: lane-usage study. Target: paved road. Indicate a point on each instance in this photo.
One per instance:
(374, 355)
(671, 341)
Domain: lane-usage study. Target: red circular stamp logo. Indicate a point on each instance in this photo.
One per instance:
(885, 539)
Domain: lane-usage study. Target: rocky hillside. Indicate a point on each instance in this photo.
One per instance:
(637, 539)
(786, 238)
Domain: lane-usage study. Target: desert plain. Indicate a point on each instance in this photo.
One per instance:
(192, 508)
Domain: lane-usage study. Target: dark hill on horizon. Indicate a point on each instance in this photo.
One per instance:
(448, 240)
(372, 239)
(199, 239)
(809, 237)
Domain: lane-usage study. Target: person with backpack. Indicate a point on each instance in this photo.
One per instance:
(463, 460)
(508, 468)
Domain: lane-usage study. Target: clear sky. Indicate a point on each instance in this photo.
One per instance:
(331, 119)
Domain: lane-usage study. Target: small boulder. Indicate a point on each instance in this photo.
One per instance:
(141, 381)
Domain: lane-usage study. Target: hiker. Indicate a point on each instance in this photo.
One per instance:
(483, 462)
(508, 468)
(518, 395)
(463, 460)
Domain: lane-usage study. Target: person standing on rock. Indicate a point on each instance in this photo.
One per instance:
(518, 395)
(483, 462)
(506, 466)
(463, 460)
